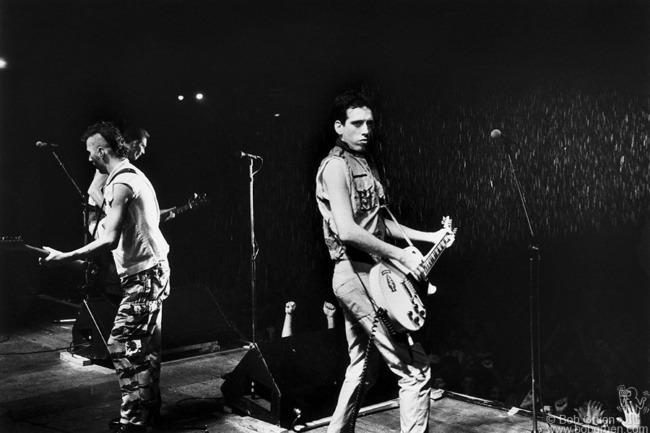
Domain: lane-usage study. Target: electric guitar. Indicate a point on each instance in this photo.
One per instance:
(197, 200)
(16, 243)
(395, 289)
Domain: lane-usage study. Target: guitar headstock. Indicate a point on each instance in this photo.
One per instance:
(446, 225)
(11, 241)
(198, 200)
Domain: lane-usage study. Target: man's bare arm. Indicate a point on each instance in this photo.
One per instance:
(108, 241)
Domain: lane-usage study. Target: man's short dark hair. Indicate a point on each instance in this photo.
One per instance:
(347, 100)
(133, 133)
(110, 133)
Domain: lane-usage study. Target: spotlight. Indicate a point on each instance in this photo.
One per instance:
(181, 97)
(276, 115)
(199, 96)
(3, 63)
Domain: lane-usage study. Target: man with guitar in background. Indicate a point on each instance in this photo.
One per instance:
(350, 199)
(140, 254)
(136, 140)
(105, 279)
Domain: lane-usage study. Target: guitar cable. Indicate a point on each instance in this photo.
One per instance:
(382, 314)
(359, 392)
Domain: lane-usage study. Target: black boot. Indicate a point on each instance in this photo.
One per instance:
(153, 417)
(153, 420)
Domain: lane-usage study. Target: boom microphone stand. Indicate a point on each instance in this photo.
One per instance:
(254, 247)
(52, 148)
(534, 258)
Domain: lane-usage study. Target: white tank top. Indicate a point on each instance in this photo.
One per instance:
(141, 244)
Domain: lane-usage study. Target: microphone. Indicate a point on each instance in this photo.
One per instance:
(495, 134)
(43, 145)
(248, 155)
(498, 135)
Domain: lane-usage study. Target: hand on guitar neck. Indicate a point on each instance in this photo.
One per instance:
(395, 284)
(197, 200)
(16, 243)
(411, 260)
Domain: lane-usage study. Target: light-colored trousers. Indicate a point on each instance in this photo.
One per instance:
(409, 363)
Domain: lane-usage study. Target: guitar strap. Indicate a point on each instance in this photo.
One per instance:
(103, 206)
(398, 225)
(101, 209)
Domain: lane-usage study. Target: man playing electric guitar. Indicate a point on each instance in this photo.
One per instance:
(140, 254)
(349, 198)
(105, 279)
(136, 141)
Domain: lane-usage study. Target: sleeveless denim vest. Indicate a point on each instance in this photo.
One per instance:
(366, 197)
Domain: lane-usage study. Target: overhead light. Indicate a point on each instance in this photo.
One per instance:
(199, 96)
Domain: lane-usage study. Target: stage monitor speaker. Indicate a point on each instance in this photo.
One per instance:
(279, 380)
(191, 316)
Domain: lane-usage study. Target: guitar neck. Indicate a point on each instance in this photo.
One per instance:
(40, 252)
(180, 209)
(434, 254)
(35, 250)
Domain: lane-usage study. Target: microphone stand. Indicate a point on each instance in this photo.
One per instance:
(254, 247)
(84, 199)
(534, 258)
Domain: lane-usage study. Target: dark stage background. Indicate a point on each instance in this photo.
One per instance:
(568, 80)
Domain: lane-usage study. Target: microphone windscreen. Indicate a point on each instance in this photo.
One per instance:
(495, 134)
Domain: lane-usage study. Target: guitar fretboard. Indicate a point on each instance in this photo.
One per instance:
(180, 209)
(432, 257)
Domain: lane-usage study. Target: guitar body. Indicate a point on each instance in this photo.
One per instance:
(394, 289)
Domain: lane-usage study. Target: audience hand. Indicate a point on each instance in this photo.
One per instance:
(632, 419)
(289, 307)
(561, 405)
(329, 309)
(591, 413)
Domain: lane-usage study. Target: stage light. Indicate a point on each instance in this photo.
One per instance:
(276, 115)
(3, 63)
(181, 97)
(199, 96)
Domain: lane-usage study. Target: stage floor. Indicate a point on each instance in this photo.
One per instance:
(43, 391)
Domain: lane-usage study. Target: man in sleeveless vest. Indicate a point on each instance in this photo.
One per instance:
(349, 198)
(140, 254)
(106, 281)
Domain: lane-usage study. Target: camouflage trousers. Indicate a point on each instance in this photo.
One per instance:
(135, 342)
